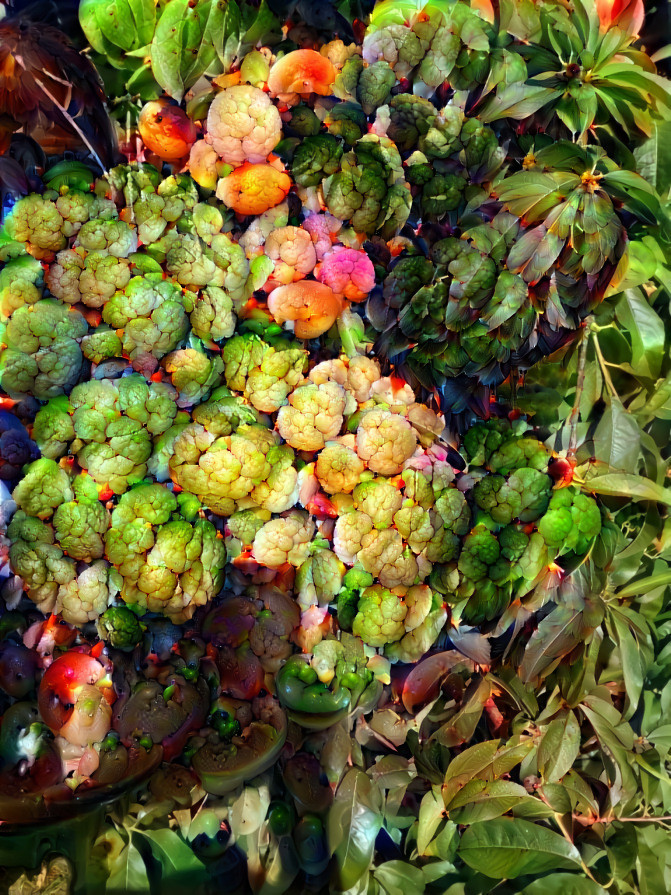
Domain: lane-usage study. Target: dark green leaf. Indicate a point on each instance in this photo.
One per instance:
(128, 873)
(177, 859)
(509, 847)
(563, 884)
(646, 330)
(352, 827)
(557, 634)
(559, 747)
(617, 438)
(518, 101)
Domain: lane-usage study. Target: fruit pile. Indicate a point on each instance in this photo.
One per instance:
(271, 521)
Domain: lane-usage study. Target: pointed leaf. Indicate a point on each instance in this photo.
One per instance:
(177, 859)
(505, 848)
(617, 438)
(646, 330)
(128, 873)
(353, 823)
(627, 485)
(518, 101)
(556, 635)
(559, 747)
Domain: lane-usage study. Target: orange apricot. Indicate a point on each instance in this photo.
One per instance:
(303, 72)
(313, 307)
(166, 130)
(253, 189)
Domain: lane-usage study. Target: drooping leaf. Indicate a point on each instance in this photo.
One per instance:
(178, 861)
(128, 872)
(353, 823)
(621, 484)
(556, 635)
(183, 45)
(617, 437)
(646, 331)
(559, 747)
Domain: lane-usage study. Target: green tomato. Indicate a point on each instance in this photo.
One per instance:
(281, 818)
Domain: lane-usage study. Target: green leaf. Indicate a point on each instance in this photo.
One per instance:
(431, 813)
(494, 799)
(128, 873)
(264, 27)
(632, 654)
(617, 438)
(518, 101)
(228, 46)
(646, 330)
(638, 195)
(563, 884)
(653, 157)
(400, 878)
(644, 585)
(183, 45)
(623, 484)
(177, 859)
(559, 747)
(622, 849)
(353, 823)
(127, 24)
(556, 635)
(509, 847)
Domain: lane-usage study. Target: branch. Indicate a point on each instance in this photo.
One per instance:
(580, 384)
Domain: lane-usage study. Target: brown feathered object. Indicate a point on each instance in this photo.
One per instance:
(52, 92)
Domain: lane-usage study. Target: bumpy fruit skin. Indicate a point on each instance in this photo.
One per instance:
(87, 596)
(283, 540)
(43, 488)
(380, 616)
(168, 564)
(292, 251)
(243, 125)
(349, 272)
(572, 522)
(120, 627)
(313, 416)
(38, 560)
(37, 222)
(338, 468)
(385, 440)
(42, 356)
(315, 158)
(223, 470)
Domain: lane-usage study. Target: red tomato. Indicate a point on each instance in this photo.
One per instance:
(59, 685)
(240, 670)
